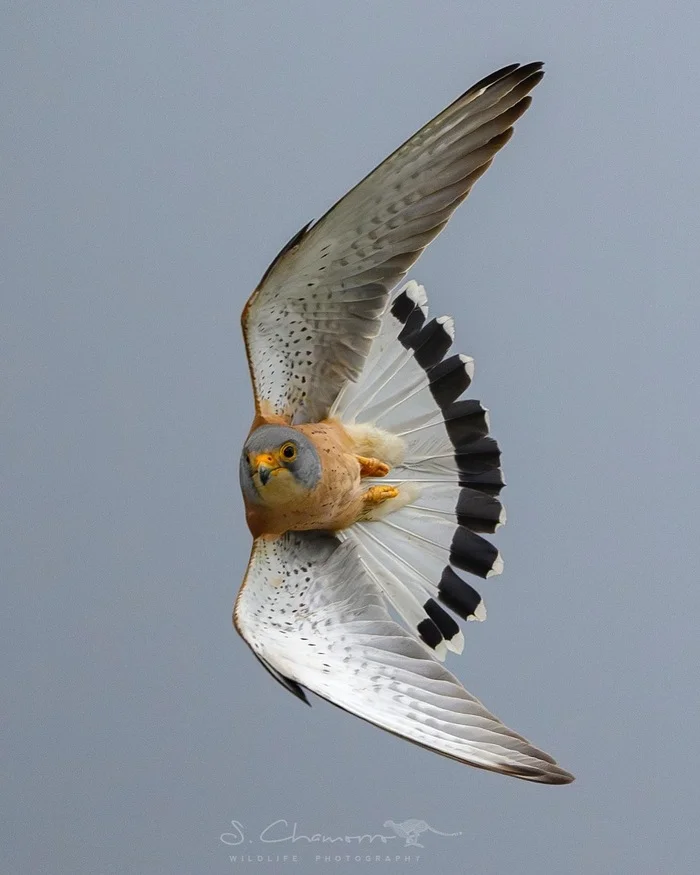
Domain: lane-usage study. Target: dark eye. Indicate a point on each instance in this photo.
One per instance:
(289, 452)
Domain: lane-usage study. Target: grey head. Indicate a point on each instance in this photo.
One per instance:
(278, 464)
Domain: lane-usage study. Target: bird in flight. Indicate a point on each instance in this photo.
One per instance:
(368, 481)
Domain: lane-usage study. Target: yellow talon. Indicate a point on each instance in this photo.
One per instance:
(372, 467)
(377, 494)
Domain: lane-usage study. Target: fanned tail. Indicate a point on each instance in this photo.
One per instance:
(448, 473)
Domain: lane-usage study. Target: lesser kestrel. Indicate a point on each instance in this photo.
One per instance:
(368, 480)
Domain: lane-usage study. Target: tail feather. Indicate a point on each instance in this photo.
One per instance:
(411, 304)
(408, 599)
(478, 512)
(435, 537)
(406, 579)
(449, 478)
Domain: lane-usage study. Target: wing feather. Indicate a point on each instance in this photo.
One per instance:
(309, 324)
(312, 614)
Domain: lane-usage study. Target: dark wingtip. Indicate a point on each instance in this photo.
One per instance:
(294, 688)
(496, 76)
(562, 777)
(552, 775)
(516, 70)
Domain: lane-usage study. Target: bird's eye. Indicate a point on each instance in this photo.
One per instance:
(289, 452)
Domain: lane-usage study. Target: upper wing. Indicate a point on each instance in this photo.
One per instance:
(312, 615)
(309, 324)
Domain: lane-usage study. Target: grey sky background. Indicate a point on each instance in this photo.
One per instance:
(154, 159)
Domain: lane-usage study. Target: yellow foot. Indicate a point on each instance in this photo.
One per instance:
(372, 468)
(376, 495)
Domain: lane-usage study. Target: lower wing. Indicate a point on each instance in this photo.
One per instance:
(314, 617)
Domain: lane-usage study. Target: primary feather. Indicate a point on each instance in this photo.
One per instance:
(309, 325)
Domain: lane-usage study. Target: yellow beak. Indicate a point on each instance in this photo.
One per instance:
(265, 463)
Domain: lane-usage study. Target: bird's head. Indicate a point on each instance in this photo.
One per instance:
(278, 465)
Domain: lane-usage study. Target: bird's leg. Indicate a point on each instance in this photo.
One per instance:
(372, 467)
(376, 495)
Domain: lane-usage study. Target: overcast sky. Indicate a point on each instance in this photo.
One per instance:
(154, 158)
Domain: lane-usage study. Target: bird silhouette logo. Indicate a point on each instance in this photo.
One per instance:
(410, 830)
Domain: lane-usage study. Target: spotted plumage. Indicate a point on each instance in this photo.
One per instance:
(369, 481)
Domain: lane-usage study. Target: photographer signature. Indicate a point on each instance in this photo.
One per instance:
(280, 831)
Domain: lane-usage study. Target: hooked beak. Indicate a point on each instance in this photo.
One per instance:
(265, 465)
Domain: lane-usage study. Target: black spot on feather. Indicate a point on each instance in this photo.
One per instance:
(490, 482)
(466, 421)
(478, 512)
(457, 594)
(429, 633)
(448, 380)
(411, 327)
(442, 619)
(430, 344)
(402, 307)
(472, 553)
